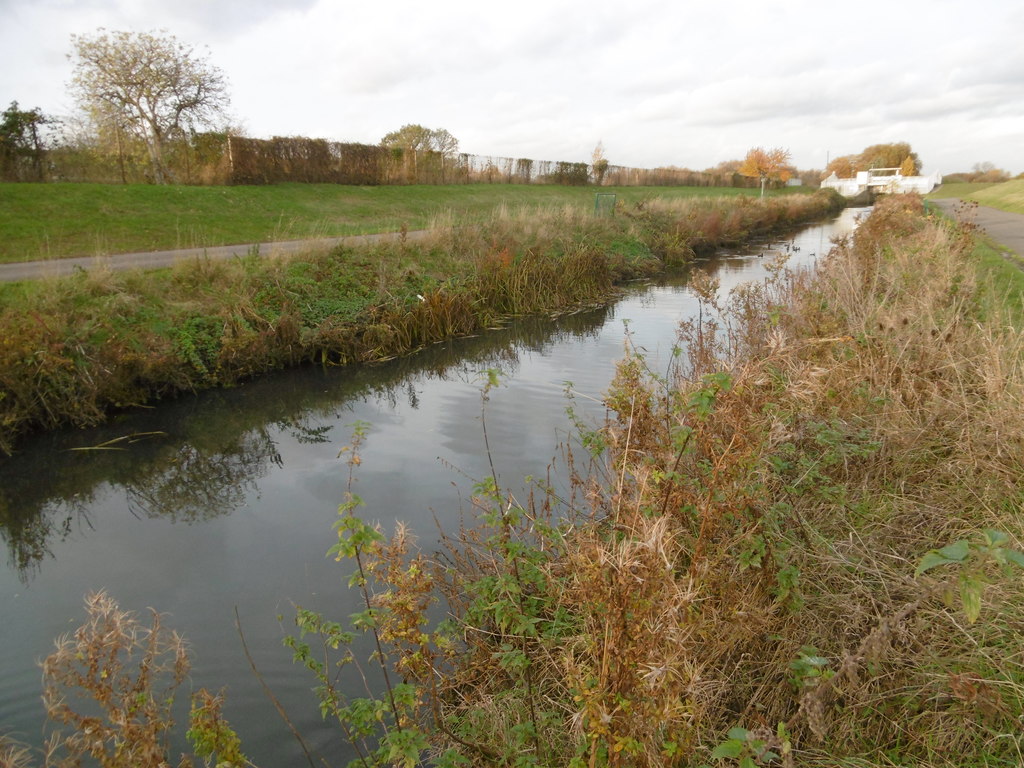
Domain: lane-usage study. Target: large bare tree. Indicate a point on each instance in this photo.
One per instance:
(153, 84)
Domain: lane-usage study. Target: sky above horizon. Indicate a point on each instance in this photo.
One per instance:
(658, 82)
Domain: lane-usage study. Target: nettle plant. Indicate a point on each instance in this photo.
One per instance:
(976, 565)
(469, 689)
(387, 729)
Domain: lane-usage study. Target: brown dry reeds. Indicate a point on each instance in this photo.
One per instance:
(801, 548)
(835, 428)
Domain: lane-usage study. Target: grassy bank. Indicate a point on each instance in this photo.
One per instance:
(1003, 276)
(42, 221)
(77, 347)
(801, 547)
(962, 189)
(1007, 196)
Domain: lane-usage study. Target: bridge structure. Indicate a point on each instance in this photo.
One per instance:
(881, 181)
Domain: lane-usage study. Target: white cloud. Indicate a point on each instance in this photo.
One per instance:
(659, 81)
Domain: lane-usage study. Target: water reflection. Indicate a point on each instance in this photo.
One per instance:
(198, 458)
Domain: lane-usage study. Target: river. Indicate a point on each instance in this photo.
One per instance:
(226, 499)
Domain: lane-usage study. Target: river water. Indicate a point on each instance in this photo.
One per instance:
(229, 503)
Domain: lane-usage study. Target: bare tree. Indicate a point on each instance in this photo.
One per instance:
(444, 142)
(412, 137)
(414, 141)
(153, 84)
(415, 138)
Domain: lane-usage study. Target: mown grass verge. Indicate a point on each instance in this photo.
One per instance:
(1003, 275)
(52, 221)
(74, 348)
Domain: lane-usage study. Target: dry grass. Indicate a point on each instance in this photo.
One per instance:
(868, 419)
(744, 553)
(13, 754)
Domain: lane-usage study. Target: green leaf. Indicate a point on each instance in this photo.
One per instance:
(728, 749)
(1015, 557)
(952, 553)
(970, 596)
(739, 733)
(957, 551)
(929, 561)
(994, 538)
(747, 762)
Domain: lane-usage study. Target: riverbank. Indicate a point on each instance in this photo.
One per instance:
(77, 347)
(59, 220)
(802, 546)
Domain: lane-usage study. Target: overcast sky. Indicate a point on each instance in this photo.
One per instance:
(659, 82)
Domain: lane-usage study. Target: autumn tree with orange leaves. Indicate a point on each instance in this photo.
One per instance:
(766, 164)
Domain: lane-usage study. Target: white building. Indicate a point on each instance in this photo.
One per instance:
(882, 180)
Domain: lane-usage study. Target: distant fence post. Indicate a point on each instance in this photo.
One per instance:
(604, 204)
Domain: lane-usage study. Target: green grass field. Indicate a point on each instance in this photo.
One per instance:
(961, 190)
(1007, 196)
(51, 221)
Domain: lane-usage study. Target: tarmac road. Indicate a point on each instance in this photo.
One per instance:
(1002, 226)
(34, 270)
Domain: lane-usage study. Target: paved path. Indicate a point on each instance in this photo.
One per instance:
(1002, 226)
(33, 270)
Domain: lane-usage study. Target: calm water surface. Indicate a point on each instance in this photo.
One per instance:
(231, 504)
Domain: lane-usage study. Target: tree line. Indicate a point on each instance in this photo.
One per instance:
(898, 155)
(154, 110)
